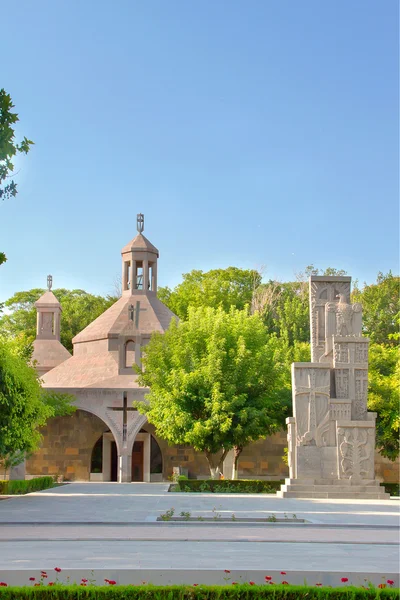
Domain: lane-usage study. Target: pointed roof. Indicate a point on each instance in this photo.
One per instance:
(48, 354)
(154, 316)
(90, 371)
(48, 299)
(139, 242)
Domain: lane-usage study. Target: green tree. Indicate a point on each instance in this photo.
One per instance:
(8, 149)
(212, 382)
(79, 309)
(24, 405)
(381, 308)
(219, 287)
(284, 308)
(383, 397)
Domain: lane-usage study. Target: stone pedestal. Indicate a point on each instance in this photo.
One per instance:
(331, 437)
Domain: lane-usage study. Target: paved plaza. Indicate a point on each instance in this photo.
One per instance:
(112, 529)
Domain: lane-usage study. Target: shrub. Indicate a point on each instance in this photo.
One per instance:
(230, 486)
(392, 488)
(25, 486)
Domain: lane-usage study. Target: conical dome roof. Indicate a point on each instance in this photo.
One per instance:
(139, 242)
(48, 299)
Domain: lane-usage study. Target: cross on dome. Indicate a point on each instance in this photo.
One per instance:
(140, 222)
(49, 282)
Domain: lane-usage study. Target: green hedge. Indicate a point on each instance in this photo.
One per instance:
(234, 592)
(392, 488)
(22, 486)
(230, 486)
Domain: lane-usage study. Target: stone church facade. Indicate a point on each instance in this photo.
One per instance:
(107, 439)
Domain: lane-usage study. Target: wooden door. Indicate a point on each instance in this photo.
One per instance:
(137, 461)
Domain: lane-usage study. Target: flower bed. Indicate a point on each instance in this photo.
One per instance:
(203, 592)
(229, 486)
(55, 585)
(25, 486)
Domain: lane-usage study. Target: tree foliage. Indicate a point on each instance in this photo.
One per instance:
(219, 287)
(8, 149)
(79, 309)
(381, 308)
(212, 382)
(383, 397)
(24, 405)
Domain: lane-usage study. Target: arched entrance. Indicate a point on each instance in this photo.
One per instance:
(146, 458)
(104, 459)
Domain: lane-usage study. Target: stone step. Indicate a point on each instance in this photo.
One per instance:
(340, 482)
(339, 495)
(366, 489)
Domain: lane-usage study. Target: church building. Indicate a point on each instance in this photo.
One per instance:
(107, 439)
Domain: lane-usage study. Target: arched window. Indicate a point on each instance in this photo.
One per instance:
(96, 463)
(129, 353)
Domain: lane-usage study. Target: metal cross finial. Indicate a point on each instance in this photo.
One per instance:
(49, 282)
(140, 222)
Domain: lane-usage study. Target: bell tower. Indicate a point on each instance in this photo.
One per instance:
(48, 352)
(48, 315)
(139, 264)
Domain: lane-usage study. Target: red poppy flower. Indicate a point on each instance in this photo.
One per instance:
(283, 572)
(43, 573)
(226, 571)
(272, 583)
(84, 580)
(252, 583)
(107, 581)
(318, 584)
(3, 584)
(268, 578)
(234, 582)
(51, 583)
(344, 579)
(31, 579)
(112, 582)
(58, 570)
(195, 584)
(285, 583)
(390, 581)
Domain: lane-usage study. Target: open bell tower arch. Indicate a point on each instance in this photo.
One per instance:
(139, 263)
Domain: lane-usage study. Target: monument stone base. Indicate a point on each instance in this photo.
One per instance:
(333, 488)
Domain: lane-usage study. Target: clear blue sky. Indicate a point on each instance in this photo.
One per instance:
(249, 133)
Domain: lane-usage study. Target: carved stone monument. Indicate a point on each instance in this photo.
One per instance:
(331, 437)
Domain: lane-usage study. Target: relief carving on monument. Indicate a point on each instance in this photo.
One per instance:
(360, 403)
(356, 447)
(311, 396)
(342, 383)
(340, 411)
(323, 292)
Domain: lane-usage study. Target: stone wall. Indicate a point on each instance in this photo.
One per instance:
(67, 446)
(264, 458)
(68, 443)
(386, 470)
